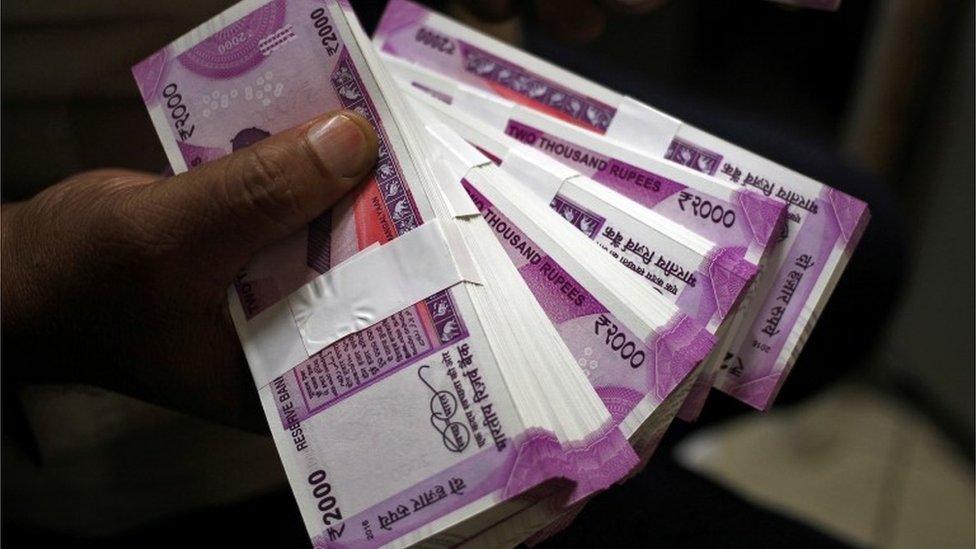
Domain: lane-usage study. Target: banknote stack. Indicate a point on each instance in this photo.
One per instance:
(537, 277)
(651, 158)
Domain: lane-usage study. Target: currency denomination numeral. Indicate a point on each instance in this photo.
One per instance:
(231, 43)
(619, 342)
(326, 503)
(703, 208)
(178, 111)
(325, 31)
(432, 39)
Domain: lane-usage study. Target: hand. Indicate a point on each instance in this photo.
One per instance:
(119, 278)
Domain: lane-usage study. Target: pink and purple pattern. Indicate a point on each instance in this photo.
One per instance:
(586, 221)
(619, 400)
(147, 74)
(730, 273)
(399, 15)
(765, 216)
(592, 464)
(762, 370)
(194, 155)
(448, 325)
(586, 110)
(236, 48)
(398, 200)
(677, 351)
(693, 156)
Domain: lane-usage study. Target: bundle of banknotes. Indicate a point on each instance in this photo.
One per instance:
(539, 275)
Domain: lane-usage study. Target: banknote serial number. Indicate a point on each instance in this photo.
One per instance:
(321, 492)
(703, 208)
(619, 342)
(436, 41)
(325, 31)
(178, 111)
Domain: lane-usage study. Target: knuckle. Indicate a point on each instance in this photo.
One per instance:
(266, 184)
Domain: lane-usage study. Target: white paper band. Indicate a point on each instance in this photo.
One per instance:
(536, 171)
(354, 295)
(492, 110)
(642, 128)
(454, 158)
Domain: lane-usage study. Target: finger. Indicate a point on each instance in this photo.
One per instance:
(268, 190)
(574, 21)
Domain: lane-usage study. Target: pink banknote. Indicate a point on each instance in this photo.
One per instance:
(219, 90)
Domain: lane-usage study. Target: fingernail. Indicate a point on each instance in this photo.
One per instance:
(340, 144)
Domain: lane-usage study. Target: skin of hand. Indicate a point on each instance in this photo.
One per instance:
(119, 278)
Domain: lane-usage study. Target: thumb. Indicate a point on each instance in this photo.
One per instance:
(240, 203)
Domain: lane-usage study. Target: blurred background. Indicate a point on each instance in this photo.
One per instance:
(871, 443)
